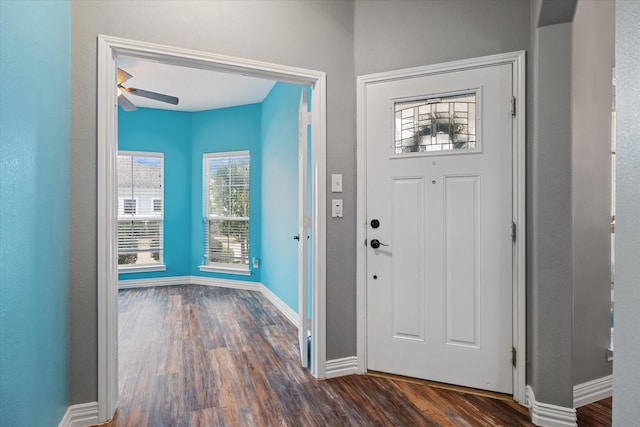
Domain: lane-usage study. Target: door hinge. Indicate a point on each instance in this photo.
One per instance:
(513, 232)
(306, 118)
(513, 106)
(513, 356)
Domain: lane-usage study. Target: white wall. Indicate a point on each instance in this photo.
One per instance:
(626, 380)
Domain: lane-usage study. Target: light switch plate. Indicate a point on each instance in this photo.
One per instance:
(336, 183)
(336, 208)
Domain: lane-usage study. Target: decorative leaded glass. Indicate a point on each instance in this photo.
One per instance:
(444, 123)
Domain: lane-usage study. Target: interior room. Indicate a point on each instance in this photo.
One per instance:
(243, 114)
(259, 116)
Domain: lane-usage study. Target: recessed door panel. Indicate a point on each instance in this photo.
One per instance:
(407, 243)
(462, 259)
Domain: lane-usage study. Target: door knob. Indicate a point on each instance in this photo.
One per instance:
(375, 244)
(296, 237)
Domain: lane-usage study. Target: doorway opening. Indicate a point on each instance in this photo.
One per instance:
(109, 49)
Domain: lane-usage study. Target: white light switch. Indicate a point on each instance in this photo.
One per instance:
(336, 183)
(336, 208)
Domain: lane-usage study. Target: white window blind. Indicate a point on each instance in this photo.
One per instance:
(226, 203)
(130, 206)
(140, 209)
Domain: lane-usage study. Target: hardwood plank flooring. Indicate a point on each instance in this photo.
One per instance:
(597, 414)
(202, 356)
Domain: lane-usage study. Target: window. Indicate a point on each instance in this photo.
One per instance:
(226, 210)
(436, 124)
(140, 214)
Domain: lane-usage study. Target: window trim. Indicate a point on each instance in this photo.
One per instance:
(244, 269)
(154, 216)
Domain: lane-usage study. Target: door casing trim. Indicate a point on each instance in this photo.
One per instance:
(107, 122)
(517, 60)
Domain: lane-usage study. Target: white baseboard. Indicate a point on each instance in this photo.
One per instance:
(341, 367)
(224, 283)
(82, 415)
(188, 280)
(592, 391)
(148, 283)
(291, 315)
(546, 415)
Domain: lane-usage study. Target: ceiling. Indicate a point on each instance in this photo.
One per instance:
(197, 89)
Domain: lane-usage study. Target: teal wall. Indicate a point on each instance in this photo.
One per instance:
(35, 133)
(167, 132)
(280, 191)
(184, 138)
(270, 132)
(226, 129)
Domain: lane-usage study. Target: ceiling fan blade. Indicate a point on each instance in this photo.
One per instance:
(123, 76)
(125, 104)
(152, 95)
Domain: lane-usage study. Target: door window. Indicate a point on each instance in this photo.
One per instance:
(436, 124)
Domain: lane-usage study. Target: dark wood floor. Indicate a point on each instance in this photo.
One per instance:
(201, 356)
(597, 414)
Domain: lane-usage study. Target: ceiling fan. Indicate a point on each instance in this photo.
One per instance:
(126, 104)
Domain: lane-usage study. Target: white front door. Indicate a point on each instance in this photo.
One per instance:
(439, 216)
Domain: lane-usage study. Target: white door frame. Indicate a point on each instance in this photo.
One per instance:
(517, 60)
(303, 227)
(108, 50)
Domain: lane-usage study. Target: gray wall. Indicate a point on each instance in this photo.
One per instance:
(626, 411)
(314, 35)
(392, 35)
(568, 196)
(549, 295)
(592, 66)
(348, 38)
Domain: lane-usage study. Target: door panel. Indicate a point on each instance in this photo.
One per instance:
(462, 262)
(438, 161)
(407, 220)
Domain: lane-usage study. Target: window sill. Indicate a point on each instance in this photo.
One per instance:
(226, 270)
(142, 268)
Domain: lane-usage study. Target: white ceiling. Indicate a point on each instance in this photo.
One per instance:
(197, 90)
